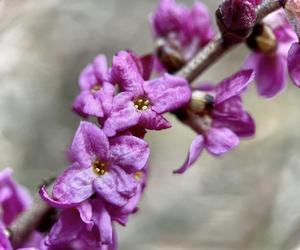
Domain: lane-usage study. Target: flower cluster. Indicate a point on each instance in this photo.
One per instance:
(108, 159)
(108, 162)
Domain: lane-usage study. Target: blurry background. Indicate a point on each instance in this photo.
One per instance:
(248, 200)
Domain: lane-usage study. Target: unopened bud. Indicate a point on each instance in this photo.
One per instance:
(236, 19)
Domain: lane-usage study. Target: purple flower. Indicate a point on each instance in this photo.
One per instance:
(96, 93)
(88, 226)
(99, 165)
(184, 30)
(143, 102)
(14, 199)
(270, 66)
(222, 119)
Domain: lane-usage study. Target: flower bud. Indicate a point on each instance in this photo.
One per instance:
(236, 18)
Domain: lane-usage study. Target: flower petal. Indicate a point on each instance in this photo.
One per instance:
(168, 17)
(294, 63)
(74, 185)
(88, 144)
(125, 72)
(66, 229)
(103, 221)
(220, 140)
(123, 115)
(231, 114)
(151, 120)
(195, 150)
(93, 73)
(167, 93)
(271, 75)
(233, 85)
(129, 152)
(115, 186)
(87, 104)
(86, 213)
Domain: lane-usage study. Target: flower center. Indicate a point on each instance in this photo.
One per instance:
(95, 88)
(141, 103)
(99, 167)
(138, 175)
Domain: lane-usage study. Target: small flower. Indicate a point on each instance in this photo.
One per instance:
(143, 102)
(222, 121)
(180, 32)
(14, 199)
(269, 61)
(88, 226)
(236, 18)
(96, 93)
(99, 165)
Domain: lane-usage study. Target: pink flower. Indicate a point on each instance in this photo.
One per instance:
(14, 199)
(185, 30)
(222, 123)
(143, 102)
(96, 93)
(88, 226)
(99, 165)
(271, 67)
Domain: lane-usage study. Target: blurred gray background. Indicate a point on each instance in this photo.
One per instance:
(247, 200)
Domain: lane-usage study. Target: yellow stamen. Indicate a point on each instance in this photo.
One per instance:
(141, 103)
(99, 167)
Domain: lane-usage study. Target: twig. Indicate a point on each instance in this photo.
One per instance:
(30, 220)
(215, 49)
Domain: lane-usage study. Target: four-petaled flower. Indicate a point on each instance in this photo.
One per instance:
(142, 102)
(270, 62)
(96, 92)
(222, 123)
(99, 165)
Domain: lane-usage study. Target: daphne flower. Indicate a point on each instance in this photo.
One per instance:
(143, 102)
(183, 30)
(88, 226)
(269, 61)
(96, 92)
(99, 165)
(14, 199)
(221, 120)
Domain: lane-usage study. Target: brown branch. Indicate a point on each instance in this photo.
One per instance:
(31, 219)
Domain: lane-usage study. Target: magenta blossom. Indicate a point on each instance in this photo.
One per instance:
(96, 93)
(14, 199)
(187, 30)
(88, 226)
(271, 67)
(99, 165)
(221, 125)
(143, 102)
